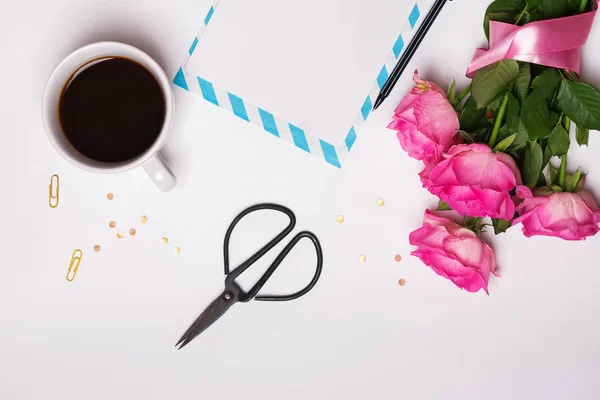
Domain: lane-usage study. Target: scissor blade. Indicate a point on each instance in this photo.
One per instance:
(212, 313)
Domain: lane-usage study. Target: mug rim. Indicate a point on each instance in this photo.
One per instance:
(99, 50)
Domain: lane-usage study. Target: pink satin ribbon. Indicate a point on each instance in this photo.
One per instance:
(555, 43)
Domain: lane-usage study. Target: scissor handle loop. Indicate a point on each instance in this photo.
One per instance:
(279, 259)
(232, 275)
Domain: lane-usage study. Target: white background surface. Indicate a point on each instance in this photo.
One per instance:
(357, 335)
(311, 63)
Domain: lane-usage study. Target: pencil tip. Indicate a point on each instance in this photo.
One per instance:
(378, 102)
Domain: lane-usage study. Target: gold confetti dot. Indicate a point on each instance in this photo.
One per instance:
(143, 219)
(177, 249)
(112, 224)
(362, 258)
(110, 196)
(97, 248)
(380, 202)
(340, 219)
(132, 231)
(398, 258)
(120, 235)
(402, 282)
(164, 240)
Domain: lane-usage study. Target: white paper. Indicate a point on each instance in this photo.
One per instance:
(311, 62)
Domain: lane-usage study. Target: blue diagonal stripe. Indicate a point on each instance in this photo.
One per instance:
(414, 16)
(398, 46)
(209, 16)
(238, 107)
(208, 91)
(366, 108)
(179, 80)
(268, 122)
(350, 138)
(299, 138)
(382, 78)
(330, 154)
(193, 46)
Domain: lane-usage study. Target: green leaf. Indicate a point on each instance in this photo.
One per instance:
(574, 6)
(500, 225)
(556, 188)
(581, 103)
(546, 83)
(503, 133)
(535, 116)
(554, 117)
(481, 135)
(537, 69)
(452, 94)
(558, 141)
(495, 104)
(512, 113)
(547, 156)
(572, 181)
(541, 180)
(582, 135)
(468, 139)
(523, 81)
(532, 165)
(492, 80)
(534, 3)
(443, 206)
(521, 138)
(502, 10)
(471, 118)
(554, 8)
(552, 173)
(554, 106)
(474, 224)
(505, 144)
(535, 16)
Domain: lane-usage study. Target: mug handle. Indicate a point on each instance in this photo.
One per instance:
(160, 173)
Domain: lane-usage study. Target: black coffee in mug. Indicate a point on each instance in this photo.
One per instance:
(112, 109)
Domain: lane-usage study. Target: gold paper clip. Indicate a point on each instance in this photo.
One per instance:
(53, 191)
(74, 265)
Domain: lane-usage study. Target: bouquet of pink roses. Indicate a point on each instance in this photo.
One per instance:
(487, 151)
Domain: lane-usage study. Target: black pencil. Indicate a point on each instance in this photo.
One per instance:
(410, 51)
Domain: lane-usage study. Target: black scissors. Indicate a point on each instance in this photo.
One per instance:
(233, 292)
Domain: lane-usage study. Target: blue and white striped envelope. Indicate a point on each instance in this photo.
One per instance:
(306, 72)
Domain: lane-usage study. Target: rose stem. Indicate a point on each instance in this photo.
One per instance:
(567, 122)
(563, 162)
(499, 118)
(465, 92)
(522, 14)
(562, 172)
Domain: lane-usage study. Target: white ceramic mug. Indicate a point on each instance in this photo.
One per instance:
(150, 159)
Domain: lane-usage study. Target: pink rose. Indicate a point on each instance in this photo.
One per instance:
(454, 252)
(426, 122)
(570, 216)
(475, 181)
